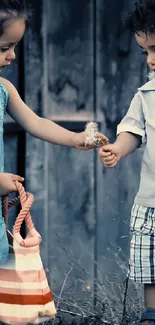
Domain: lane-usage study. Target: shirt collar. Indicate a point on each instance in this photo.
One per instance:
(150, 85)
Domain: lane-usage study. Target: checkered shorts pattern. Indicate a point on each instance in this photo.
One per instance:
(142, 246)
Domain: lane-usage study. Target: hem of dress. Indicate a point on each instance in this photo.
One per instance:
(4, 260)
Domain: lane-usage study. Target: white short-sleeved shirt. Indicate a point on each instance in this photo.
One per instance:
(140, 120)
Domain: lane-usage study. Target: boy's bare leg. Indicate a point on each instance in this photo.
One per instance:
(149, 295)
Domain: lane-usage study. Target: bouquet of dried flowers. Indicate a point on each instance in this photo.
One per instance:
(93, 137)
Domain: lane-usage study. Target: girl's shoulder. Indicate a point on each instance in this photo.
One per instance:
(4, 94)
(4, 84)
(8, 86)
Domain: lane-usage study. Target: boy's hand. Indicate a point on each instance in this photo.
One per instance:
(80, 141)
(7, 184)
(110, 155)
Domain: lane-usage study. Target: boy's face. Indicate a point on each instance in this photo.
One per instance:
(147, 43)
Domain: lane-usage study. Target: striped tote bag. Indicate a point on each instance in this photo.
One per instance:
(25, 296)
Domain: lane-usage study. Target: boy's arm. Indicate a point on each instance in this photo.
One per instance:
(131, 130)
(127, 142)
(130, 135)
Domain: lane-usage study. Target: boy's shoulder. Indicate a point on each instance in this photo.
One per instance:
(148, 86)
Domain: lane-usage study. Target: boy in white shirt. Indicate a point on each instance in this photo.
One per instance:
(136, 128)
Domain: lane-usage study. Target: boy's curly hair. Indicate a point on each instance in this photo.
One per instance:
(12, 9)
(141, 17)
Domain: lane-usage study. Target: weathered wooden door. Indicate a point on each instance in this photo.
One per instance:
(80, 66)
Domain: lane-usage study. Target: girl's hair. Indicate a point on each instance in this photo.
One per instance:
(141, 18)
(12, 9)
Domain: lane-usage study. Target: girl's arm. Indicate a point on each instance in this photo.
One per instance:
(41, 128)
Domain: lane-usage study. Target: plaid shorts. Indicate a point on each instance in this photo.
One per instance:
(142, 246)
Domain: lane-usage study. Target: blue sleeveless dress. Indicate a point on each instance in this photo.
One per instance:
(4, 246)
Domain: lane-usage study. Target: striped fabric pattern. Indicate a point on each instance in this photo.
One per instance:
(25, 296)
(142, 246)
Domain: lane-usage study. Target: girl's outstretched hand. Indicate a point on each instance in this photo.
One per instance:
(81, 141)
(7, 184)
(110, 155)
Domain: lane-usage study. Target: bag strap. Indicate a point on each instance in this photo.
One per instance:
(26, 200)
(6, 205)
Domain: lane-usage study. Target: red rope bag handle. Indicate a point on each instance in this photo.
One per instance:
(26, 200)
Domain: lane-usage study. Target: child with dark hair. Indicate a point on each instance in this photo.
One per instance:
(13, 19)
(138, 128)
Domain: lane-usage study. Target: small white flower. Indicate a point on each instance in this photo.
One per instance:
(92, 137)
(91, 131)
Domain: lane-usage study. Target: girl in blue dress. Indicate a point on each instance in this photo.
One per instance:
(13, 19)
